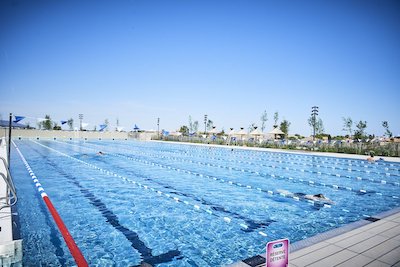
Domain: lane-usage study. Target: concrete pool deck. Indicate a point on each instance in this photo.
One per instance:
(373, 242)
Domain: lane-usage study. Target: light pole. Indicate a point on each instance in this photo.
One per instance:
(158, 128)
(314, 113)
(205, 124)
(80, 118)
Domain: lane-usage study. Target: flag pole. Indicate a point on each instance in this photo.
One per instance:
(9, 141)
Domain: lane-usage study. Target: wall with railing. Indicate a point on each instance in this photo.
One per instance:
(33, 133)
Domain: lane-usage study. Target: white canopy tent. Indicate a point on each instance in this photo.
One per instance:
(257, 133)
(276, 132)
(241, 133)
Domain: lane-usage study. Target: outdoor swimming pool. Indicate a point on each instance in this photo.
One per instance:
(185, 205)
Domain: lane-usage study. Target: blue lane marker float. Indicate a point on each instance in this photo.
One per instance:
(168, 196)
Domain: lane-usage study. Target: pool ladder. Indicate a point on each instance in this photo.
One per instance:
(11, 195)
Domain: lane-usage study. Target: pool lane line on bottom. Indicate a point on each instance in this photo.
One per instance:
(69, 240)
(146, 187)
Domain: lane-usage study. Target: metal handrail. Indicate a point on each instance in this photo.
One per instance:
(11, 198)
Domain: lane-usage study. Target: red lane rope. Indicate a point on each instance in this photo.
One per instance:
(73, 248)
(69, 240)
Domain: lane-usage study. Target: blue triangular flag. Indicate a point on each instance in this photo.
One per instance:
(102, 127)
(18, 118)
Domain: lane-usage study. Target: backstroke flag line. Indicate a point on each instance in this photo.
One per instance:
(62, 122)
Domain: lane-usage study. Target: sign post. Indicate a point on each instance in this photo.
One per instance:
(278, 253)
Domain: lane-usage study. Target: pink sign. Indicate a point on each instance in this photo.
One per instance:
(278, 253)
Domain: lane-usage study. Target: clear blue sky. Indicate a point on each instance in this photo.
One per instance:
(231, 60)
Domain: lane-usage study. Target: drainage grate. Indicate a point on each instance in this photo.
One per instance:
(255, 261)
(372, 219)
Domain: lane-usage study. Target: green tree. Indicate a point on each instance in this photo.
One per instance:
(191, 126)
(195, 126)
(47, 123)
(276, 118)
(56, 127)
(264, 119)
(285, 124)
(70, 123)
(320, 129)
(209, 124)
(106, 122)
(184, 130)
(385, 125)
(360, 132)
(252, 127)
(348, 125)
(319, 125)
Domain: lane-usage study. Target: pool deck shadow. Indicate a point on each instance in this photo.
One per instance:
(372, 242)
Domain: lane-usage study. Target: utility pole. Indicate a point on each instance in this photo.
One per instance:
(158, 128)
(80, 118)
(314, 114)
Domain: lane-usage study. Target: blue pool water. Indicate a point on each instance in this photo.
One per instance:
(185, 205)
